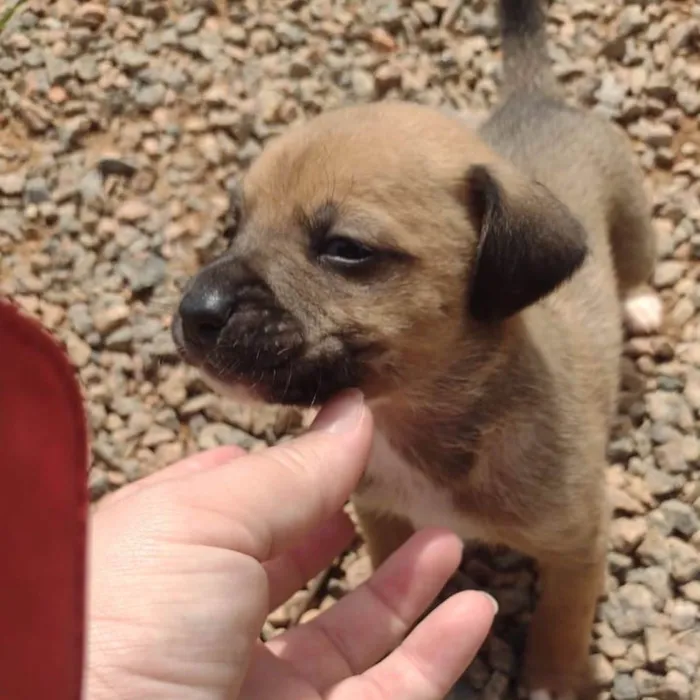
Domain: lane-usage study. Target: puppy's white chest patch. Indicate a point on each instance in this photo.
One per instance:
(394, 486)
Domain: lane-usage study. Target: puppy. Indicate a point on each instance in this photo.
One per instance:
(473, 285)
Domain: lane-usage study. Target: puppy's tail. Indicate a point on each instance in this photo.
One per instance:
(526, 63)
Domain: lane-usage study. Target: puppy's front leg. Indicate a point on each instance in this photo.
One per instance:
(557, 656)
(383, 534)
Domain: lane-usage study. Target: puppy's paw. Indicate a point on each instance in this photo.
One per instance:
(643, 312)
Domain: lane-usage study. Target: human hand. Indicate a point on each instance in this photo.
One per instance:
(187, 563)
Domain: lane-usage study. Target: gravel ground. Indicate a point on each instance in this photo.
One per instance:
(120, 124)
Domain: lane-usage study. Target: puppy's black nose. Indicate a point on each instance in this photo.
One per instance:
(204, 313)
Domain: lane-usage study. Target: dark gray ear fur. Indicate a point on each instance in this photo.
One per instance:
(529, 243)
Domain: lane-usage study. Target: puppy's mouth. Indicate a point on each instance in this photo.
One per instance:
(261, 354)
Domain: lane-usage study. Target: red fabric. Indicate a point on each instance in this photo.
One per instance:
(43, 513)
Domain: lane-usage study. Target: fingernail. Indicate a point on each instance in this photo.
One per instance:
(492, 600)
(342, 414)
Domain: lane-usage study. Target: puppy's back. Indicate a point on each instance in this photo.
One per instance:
(588, 164)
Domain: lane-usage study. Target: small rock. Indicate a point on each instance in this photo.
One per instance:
(624, 688)
(382, 39)
(682, 312)
(173, 390)
(603, 671)
(107, 320)
(89, 14)
(667, 273)
(662, 484)
(158, 435)
(621, 450)
(86, 69)
(670, 457)
(689, 102)
(190, 23)
(692, 389)
(655, 578)
(611, 93)
(363, 83)
(631, 20)
(133, 210)
(647, 683)
(309, 615)
(684, 615)
(132, 59)
(98, 483)
(654, 549)
(612, 647)
(659, 135)
(90, 187)
(681, 517)
(685, 560)
(78, 350)
(120, 340)
(12, 184)
(623, 502)
(150, 96)
(675, 686)
(690, 445)
(358, 571)
(657, 643)
(692, 591)
(146, 273)
(36, 191)
(217, 434)
(628, 533)
(387, 77)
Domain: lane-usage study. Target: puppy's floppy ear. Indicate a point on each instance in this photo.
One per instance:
(529, 242)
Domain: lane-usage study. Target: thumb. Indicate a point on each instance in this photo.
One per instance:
(271, 499)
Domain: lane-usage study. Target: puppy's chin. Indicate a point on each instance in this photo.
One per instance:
(238, 392)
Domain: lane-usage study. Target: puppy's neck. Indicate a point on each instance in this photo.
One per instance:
(441, 421)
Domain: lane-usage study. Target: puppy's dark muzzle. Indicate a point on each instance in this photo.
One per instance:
(230, 321)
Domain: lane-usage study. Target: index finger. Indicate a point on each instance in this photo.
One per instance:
(264, 503)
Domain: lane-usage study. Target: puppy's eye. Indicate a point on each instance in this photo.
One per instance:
(340, 250)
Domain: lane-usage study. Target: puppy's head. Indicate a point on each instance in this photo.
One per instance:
(369, 248)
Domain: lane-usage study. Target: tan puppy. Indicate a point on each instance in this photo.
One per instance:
(470, 285)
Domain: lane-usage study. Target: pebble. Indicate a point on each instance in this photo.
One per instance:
(627, 533)
(12, 184)
(603, 671)
(90, 15)
(78, 350)
(146, 273)
(108, 319)
(624, 688)
(668, 273)
(133, 210)
(681, 517)
(358, 571)
(685, 560)
(692, 591)
(675, 686)
(150, 96)
(36, 191)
